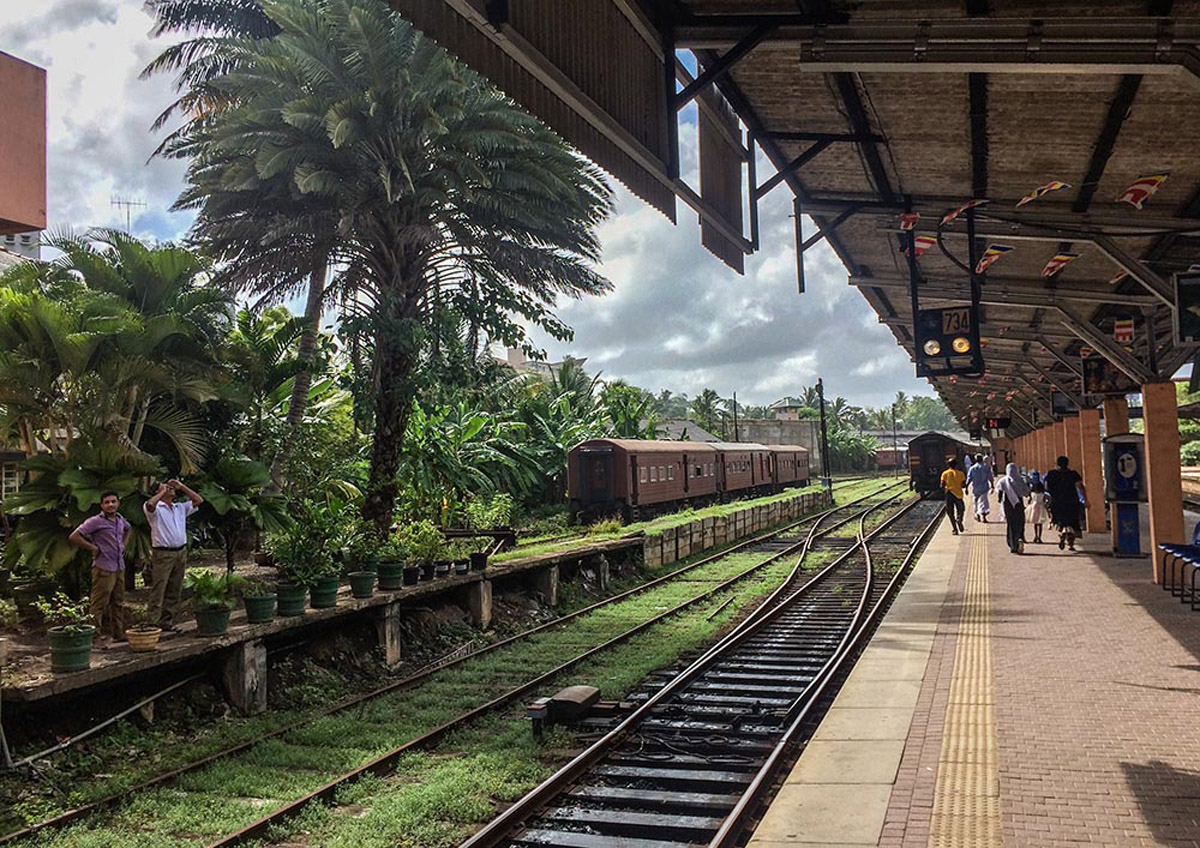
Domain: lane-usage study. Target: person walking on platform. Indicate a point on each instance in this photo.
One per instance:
(105, 536)
(1012, 491)
(1037, 499)
(1067, 496)
(168, 542)
(952, 485)
(980, 479)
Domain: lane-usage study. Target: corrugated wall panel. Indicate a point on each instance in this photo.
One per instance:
(587, 40)
(721, 179)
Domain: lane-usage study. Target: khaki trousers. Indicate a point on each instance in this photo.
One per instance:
(108, 600)
(166, 586)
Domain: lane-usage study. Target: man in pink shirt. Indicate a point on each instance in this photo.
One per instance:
(105, 537)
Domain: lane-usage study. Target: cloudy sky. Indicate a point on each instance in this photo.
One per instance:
(678, 318)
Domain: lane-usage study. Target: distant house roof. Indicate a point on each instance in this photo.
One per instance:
(679, 428)
(788, 402)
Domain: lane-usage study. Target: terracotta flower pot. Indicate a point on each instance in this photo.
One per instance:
(143, 639)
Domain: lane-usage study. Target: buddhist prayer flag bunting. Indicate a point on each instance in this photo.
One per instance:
(1123, 331)
(921, 245)
(993, 252)
(1142, 189)
(1059, 262)
(1053, 185)
(1122, 274)
(908, 220)
(1085, 352)
(954, 213)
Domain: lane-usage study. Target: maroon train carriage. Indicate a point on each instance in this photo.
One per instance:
(636, 478)
(789, 465)
(743, 466)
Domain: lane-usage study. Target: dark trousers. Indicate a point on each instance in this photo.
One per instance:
(955, 509)
(1014, 517)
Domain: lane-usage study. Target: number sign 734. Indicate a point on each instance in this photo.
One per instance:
(956, 321)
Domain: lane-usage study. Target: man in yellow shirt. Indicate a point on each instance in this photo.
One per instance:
(953, 481)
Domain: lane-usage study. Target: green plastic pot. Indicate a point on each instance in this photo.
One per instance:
(71, 647)
(323, 593)
(261, 608)
(213, 621)
(292, 598)
(391, 575)
(362, 583)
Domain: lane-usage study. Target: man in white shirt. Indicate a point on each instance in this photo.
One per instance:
(168, 541)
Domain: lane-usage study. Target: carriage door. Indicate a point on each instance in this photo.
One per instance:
(597, 474)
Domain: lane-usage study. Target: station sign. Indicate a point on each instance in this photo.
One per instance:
(1101, 377)
(1124, 468)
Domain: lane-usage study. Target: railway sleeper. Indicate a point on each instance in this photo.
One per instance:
(562, 839)
(631, 823)
(654, 799)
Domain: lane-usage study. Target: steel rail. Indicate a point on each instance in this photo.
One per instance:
(735, 824)
(384, 763)
(91, 808)
(504, 825)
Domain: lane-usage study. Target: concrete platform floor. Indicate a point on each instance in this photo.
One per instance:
(1044, 700)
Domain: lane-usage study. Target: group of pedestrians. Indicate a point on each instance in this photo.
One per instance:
(1061, 489)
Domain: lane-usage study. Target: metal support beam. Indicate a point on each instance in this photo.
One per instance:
(722, 66)
(789, 169)
(861, 125)
(869, 138)
(1137, 269)
(829, 228)
(1009, 293)
(1104, 345)
(1058, 383)
(1118, 110)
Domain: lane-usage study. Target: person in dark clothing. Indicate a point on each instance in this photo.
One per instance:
(952, 484)
(1068, 497)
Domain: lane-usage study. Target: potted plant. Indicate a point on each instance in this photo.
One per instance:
(427, 545)
(261, 601)
(362, 584)
(303, 554)
(143, 636)
(71, 632)
(393, 562)
(213, 598)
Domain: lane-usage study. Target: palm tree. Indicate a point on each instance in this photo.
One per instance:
(430, 176)
(706, 409)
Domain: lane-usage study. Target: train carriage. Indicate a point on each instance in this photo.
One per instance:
(636, 478)
(744, 466)
(789, 465)
(927, 456)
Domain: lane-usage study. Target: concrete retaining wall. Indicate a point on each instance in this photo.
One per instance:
(706, 533)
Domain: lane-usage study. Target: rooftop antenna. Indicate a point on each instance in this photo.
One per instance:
(128, 204)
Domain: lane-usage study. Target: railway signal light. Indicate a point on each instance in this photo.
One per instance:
(948, 342)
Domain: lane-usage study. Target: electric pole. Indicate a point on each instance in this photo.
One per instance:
(895, 445)
(828, 480)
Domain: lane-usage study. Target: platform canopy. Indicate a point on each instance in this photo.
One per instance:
(874, 108)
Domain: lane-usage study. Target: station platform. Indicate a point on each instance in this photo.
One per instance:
(1039, 700)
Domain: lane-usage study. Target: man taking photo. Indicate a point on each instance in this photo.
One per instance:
(168, 542)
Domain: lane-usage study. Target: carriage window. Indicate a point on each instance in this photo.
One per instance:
(643, 475)
(653, 473)
(699, 471)
(662, 472)
(670, 472)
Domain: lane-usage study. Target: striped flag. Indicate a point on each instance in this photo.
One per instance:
(954, 213)
(921, 245)
(1123, 331)
(1059, 262)
(1142, 189)
(1085, 352)
(993, 252)
(1122, 274)
(908, 220)
(1053, 185)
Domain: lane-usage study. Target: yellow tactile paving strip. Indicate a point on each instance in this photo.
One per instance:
(966, 803)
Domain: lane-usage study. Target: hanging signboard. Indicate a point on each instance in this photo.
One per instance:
(1101, 377)
(1187, 313)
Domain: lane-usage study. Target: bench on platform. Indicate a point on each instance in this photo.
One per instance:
(1181, 558)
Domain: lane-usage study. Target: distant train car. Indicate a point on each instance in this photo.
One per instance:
(789, 465)
(635, 478)
(927, 456)
(743, 467)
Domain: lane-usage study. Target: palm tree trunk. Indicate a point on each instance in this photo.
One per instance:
(140, 426)
(303, 380)
(395, 356)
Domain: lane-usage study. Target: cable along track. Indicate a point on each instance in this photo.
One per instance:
(692, 764)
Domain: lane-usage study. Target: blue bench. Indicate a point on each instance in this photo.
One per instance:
(1177, 559)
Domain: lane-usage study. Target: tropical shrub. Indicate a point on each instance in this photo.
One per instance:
(211, 590)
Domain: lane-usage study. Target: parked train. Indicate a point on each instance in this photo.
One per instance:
(927, 455)
(637, 478)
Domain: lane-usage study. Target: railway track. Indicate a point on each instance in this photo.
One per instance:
(506, 689)
(694, 762)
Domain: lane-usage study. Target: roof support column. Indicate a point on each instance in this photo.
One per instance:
(1091, 464)
(1160, 412)
(1059, 446)
(1116, 421)
(1071, 431)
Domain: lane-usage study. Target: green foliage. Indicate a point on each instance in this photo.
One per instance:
(237, 498)
(490, 512)
(1189, 454)
(61, 611)
(211, 590)
(423, 541)
(304, 553)
(8, 615)
(605, 527)
(395, 548)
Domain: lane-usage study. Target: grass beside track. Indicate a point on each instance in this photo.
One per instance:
(233, 792)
